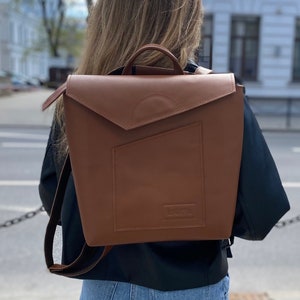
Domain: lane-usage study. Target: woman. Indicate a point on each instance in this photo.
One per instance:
(170, 270)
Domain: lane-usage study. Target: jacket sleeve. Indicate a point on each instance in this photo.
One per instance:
(49, 178)
(262, 200)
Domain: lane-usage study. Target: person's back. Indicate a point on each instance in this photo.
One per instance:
(165, 270)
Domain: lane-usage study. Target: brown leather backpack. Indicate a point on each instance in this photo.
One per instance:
(154, 156)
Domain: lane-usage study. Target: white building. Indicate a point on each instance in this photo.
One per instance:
(20, 34)
(259, 40)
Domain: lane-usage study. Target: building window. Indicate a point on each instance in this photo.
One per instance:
(12, 33)
(244, 47)
(296, 64)
(20, 35)
(205, 50)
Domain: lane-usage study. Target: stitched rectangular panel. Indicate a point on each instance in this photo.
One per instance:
(160, 204)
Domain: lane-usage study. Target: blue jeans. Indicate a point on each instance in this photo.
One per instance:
(110, 290)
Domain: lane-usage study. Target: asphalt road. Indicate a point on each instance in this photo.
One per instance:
(23, 274)
(271, 266)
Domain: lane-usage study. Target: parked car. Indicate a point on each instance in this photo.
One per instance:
(19, 83)
(5, 84)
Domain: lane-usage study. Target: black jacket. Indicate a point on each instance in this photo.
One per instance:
(178, 265)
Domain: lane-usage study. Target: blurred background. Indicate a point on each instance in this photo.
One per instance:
(40, 44)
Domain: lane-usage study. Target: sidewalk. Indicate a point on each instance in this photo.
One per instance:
(24, 109)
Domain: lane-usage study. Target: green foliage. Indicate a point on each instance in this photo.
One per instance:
(72, 37)
(61, 34)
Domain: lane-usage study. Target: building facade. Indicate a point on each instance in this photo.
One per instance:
(21, 50)
(258, 40)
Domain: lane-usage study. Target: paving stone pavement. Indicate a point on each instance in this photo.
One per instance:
(249, 296)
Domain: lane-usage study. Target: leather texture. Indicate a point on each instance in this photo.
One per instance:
(154, 158)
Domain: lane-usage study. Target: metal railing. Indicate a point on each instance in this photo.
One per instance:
(277, 113)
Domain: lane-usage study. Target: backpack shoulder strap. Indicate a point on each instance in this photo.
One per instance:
(194, 68)
(54, 96)
(203, 71)
(92, 255)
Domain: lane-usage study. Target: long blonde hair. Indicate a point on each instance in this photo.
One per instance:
(117, 28)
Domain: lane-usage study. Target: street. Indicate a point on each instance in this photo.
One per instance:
(23, 272)
(271, 266)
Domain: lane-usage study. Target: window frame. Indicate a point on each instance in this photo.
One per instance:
(295, 77)
(244, 39)
(206, 61)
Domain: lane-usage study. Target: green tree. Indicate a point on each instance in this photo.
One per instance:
(53, 16)
(72, 36)
(62, 33)
(53, 20)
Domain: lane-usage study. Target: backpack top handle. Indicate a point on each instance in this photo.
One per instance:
(176, 66)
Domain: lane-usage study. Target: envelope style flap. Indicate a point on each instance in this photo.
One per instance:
(131, 101)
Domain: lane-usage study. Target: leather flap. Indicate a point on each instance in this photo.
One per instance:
(132, 101)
